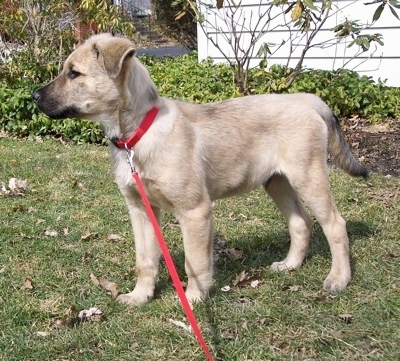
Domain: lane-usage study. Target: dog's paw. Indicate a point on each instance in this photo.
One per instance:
(283, 266)
(336, 283)
(133, 298)
(195, 296)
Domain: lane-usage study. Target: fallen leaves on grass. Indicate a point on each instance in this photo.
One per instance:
(72, 316)
(220, 249)
(323, 297)
(229, 333)
(27, 284)
(89, 236)
(86, 257)
(92, 314)
(80, 185)
(114, 237)
(16, 187)
(181, 324)
(244, 279)
(50, 232)
(236, 217)
(42, 333)
(110, 287)
(346, 317)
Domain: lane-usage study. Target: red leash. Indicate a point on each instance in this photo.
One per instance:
(172, 269)
(128, 145)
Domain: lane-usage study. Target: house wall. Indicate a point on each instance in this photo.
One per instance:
(380, 62)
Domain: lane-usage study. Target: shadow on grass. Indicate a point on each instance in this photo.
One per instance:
(258, 254)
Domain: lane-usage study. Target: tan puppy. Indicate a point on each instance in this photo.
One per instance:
(194, 154)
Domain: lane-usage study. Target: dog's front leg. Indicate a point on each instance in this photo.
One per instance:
(147, 256)
(198, 242)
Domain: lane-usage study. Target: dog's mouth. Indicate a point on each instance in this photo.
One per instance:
(52, 108)
(60, 113)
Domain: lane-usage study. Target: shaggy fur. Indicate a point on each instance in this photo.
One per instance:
(194, 154)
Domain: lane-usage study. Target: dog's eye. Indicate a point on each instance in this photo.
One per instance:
(73, 74)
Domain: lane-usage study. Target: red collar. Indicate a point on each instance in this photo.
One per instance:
(143, 127)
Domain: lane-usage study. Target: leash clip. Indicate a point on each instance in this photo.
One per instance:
(130, 154)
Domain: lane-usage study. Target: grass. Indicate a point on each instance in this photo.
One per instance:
(45, 279)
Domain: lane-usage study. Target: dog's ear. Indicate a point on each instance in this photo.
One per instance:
(113, 54)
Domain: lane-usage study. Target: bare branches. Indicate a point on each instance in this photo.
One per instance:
(236, 30)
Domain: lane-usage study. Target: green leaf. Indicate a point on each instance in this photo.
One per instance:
(310, 4)
(394, 13)
(365, 44)
(373, 2)
(394, 3)
(378, 12)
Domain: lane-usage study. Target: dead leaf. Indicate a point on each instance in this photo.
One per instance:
(225, 289)
(88, 236)
(229, 333)
(86, 257)
(265, 321)
(324, 297)
(17, 186)
(234, 253)
(239, 216)
(80, 185)
(255, 283)
(346, 317)
(27, 284)
(94, 279)
(114, 237)
(180, 324)
(69, 318)
(42, 333)
(239, 278)
(92, 314)
(180, 14)
(297, 11)
(110, 287)
(245, 325)
(3, 189)
(244, 279)
(50, 232)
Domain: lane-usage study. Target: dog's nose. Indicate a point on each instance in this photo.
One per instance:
(36, 96)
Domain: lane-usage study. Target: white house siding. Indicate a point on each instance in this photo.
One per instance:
(380, 62)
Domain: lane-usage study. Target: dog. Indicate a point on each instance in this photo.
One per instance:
(193, 154)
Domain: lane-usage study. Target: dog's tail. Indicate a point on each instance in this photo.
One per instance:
(340, 150)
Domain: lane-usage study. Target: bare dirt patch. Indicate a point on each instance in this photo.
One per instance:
(376, 146)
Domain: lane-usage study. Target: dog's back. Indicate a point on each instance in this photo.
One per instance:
(268, 133)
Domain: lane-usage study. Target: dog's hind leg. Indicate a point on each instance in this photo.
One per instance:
(298, 220)
(147, 256)
(197, 234)
(313, 187)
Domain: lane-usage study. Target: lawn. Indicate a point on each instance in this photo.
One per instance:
(69, 229)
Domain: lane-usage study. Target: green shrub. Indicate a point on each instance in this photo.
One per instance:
(346, 92)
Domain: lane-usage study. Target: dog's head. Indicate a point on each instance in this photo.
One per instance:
(91, 81)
